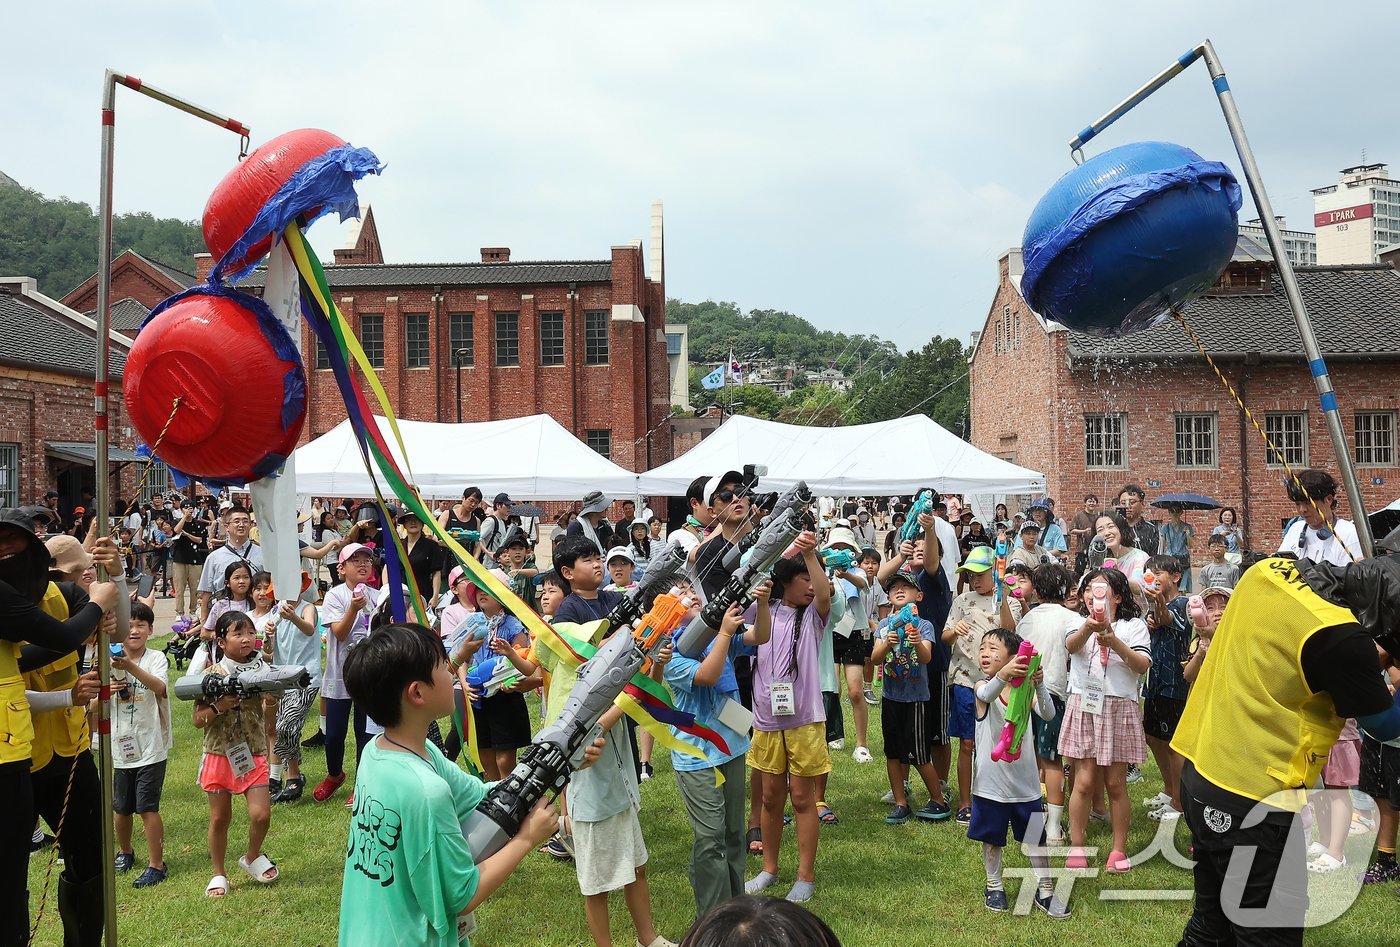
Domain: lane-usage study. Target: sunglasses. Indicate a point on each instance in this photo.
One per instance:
(726, 494)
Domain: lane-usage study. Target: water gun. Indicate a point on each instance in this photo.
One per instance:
(1018, 709)
(837, 560)
(1101, 611)
(265, 679)
(904, 621)
(491, 675)
(778, 531)
(1003, 549)
(465, 535)
(1196, 606)
(181, 625)
(659, 623)
(911, 530)
(1149, 581)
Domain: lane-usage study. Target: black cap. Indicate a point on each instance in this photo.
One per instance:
(52, 494)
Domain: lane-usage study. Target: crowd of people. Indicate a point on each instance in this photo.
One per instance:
(932, 616)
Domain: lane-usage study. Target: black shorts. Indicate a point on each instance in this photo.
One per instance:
(1160, 715)
(138, 789)
(853, 649)
(502, 722)
(1380, 771)
(908, 730)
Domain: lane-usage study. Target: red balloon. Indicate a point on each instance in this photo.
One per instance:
(242, 193)
(213, 354)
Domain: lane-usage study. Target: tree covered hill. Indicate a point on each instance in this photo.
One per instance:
(54, 240)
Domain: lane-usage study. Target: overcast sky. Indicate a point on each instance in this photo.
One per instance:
(861, 165)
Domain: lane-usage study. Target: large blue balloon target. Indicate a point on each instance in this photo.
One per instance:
(1127, 235)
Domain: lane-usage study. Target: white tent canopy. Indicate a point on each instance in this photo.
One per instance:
(887, 457)
(532, 457)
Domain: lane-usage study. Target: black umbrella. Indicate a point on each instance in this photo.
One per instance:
(1385, 520)
(1185, 501)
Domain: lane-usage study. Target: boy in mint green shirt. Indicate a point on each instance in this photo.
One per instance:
(409, 875)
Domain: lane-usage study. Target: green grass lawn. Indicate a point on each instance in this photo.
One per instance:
(909, 885)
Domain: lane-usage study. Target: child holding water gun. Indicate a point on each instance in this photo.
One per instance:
(974, 613)
(905, 646)
(1108, 654)
(1164, 697)
(1006, 792)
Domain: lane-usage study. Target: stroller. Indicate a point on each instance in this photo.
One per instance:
(185, 635)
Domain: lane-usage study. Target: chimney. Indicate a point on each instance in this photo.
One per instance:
(495, 254)
(657, 261)
(203, 265)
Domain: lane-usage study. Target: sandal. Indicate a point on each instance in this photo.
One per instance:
(825, 815)
(218, 883)
(292, 789)
(755, 840)
(258, 868)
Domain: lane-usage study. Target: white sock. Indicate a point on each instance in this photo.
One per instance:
(38, 834)
(275, 770)
(1040, 864)
(1054, 816)
(323, 723)
(991, 859)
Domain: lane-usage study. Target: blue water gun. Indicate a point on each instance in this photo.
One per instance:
(923, 503)
(902, 656)
(837, 560)
(1003, 549)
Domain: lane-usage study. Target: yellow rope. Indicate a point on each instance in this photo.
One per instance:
(1195, 339)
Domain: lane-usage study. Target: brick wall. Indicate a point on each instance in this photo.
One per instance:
(131, 276)
(1029, 403)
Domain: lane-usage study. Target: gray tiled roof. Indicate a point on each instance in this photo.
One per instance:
(32, 337)
(1355, 310)
(525, 272)
(127, 315)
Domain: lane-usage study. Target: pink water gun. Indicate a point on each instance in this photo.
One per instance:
(1101, 610)
(1018, 709)
(1149, 581)
(1197, 608)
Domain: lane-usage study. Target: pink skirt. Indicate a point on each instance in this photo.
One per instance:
(1113, 736)
(1343, 764)
(216, 775)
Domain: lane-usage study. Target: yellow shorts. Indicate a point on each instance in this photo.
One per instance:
(800, 751)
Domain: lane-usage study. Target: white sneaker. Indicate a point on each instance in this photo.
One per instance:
(1164, 814)
(1315, 849)
(1326, 863)
(659, 942)
(861, 755)
(837, 744)
(1157, 801)
(888, 797)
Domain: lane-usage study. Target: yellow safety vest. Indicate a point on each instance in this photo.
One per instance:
(64, 732)
(16, 727)
(1252, 726)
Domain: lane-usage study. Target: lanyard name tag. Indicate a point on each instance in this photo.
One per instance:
(128, 749)
(735, 716)
(1091, 701)
(466, 926)
(240, 759)
(782, 698)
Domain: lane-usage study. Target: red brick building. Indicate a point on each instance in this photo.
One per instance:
(47, 360)
(1093, 414)
(138, 284)
(583, 341)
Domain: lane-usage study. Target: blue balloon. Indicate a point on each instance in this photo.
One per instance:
(1122, 238)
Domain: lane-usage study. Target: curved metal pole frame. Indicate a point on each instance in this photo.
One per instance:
(1326, 395)
(101, 413)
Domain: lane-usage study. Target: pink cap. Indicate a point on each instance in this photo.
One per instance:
(353, 548)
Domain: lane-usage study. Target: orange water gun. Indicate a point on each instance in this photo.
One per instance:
(665, 616)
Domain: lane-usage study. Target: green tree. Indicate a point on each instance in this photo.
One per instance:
(932, 381)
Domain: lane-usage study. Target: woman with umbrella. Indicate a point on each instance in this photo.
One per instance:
(1177, 535)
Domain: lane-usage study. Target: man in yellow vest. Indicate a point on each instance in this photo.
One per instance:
(1295, 653)
(24, 565)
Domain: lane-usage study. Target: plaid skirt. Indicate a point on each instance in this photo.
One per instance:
(1113, 736)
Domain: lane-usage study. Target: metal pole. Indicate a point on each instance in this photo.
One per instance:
(1316, 364)
(100, 425)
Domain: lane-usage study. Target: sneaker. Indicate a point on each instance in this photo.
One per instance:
(292, 789)
(936, 812)
(1164, 814)
(124, 862)
(837, 744)
(555, 849)
(350, 803)
(1052, 906)
(1099, 816)
(1325, 864)
(1134, 774)
(1315, 849)
(870, 698)
(1379, 873)
(996, 900)
(151, 876)
(274, 785)
(964, 816)
(328, 787)
(1157, 801)
(659, 942)
(647, 772)
(888, 797)
(316, 739)
(861, 755)
(898, 815)
(1076, 859)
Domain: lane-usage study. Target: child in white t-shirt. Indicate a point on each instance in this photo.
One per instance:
(1103, 726)
(141, 741)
